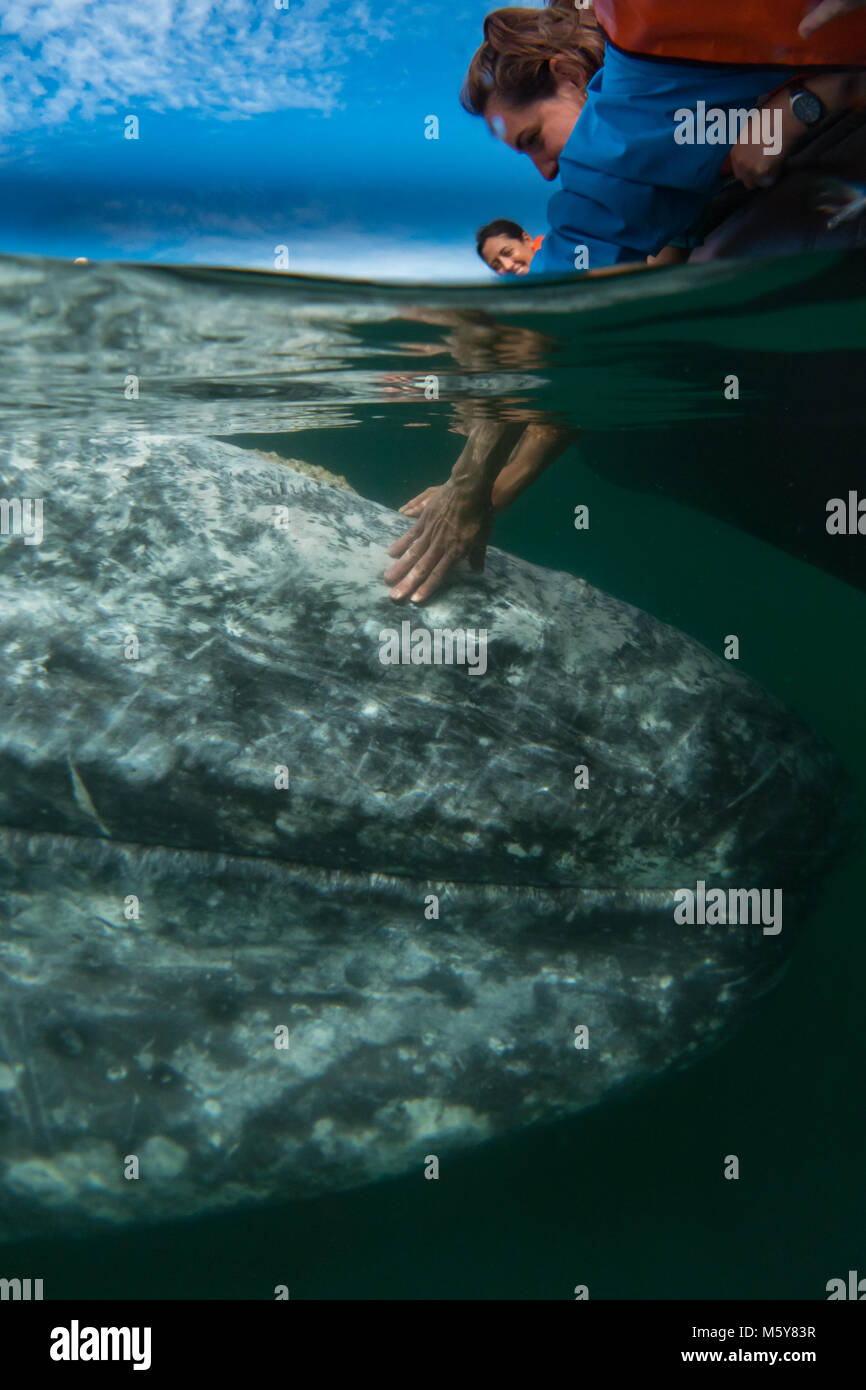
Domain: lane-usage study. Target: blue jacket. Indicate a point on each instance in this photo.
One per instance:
(628, 187)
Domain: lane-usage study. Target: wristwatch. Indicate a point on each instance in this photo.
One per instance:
(807, 108)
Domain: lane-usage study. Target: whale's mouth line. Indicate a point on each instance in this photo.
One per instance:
(22, 844)
(160, 855)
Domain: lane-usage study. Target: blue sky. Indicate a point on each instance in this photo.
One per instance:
(258, 127)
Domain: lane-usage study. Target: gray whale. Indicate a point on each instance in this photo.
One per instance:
(152, 777)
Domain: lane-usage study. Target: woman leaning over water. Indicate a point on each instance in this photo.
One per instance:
(604, 118)
(628, 126)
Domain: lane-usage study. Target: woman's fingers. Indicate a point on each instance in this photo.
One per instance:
(402, 543)
(420, 550)
(434, 579)
(418, 564)
(452, 524)
(824, 12)
(752, 167)
(477, 555)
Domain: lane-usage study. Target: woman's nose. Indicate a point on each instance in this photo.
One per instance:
(546, 165)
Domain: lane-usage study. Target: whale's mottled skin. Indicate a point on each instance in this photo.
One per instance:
(154, 777)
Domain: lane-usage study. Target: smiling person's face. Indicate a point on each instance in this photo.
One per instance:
(508, 255)
(539, 129)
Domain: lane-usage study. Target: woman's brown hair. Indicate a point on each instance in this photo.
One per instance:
(513, 63)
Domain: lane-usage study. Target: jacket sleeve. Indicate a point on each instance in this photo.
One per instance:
(568, 248)
(629, 185)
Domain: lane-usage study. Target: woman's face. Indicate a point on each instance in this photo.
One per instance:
(508, 255)
(540, 129)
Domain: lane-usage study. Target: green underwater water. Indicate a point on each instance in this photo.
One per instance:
(702, 512)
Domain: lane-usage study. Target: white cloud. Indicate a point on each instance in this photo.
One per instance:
(173, 232)
(228, 58)
(343, 254)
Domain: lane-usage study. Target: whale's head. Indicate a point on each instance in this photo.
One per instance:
(282, 916)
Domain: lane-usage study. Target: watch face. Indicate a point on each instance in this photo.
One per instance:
(807, 108)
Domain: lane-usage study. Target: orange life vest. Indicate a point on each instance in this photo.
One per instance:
(760, 32)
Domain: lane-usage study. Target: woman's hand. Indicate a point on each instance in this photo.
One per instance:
(457, 518)
(823, 12)
(452, 523)
(749, 163)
